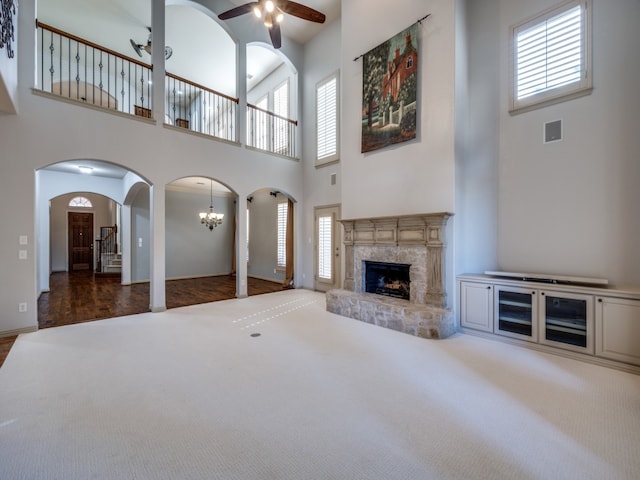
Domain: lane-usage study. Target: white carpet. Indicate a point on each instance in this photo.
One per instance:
(190, 394)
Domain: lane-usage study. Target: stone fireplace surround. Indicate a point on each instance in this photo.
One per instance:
(417, 240)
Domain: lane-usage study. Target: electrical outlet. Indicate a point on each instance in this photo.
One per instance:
(22, 307)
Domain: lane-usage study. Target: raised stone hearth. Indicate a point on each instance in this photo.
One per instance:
(416, 240)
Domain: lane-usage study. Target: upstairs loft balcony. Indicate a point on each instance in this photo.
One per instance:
(82, 71)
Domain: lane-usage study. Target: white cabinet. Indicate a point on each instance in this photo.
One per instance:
(476, 306)
(618, 329)
(596, 323)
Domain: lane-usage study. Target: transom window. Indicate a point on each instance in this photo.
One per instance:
(82, 202)
(551, 56)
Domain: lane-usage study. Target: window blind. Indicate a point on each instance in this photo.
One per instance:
(549, 54)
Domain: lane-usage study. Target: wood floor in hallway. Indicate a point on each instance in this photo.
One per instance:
(79, 297)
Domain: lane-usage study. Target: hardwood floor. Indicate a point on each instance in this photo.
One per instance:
(78, 297)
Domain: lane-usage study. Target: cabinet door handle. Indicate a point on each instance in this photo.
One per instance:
(542, 293)
(489, 287)
(600, 300)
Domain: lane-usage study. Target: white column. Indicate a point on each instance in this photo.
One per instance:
(241, 244)
(158, 301)
(241, 92)
(157, 51)
(125, 243)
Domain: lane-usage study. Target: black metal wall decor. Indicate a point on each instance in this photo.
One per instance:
(7, 36)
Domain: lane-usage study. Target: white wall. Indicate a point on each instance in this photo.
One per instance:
(191, 250)
(263, 236)
(571, 207)
(416, 176)
(477, 136)
(140, 237)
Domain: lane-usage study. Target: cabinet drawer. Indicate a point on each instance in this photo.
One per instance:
(618, 329)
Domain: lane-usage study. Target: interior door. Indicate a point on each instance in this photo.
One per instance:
(327, 248)
(80, 241)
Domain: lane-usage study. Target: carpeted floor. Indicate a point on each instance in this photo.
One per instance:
(195, 393)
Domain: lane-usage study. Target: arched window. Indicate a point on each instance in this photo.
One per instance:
(82, 202)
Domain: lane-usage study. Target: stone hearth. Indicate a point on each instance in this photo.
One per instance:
(417, 240)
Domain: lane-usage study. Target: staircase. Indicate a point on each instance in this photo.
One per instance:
(109, 259)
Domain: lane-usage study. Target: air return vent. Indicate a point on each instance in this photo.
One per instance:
(553, 131)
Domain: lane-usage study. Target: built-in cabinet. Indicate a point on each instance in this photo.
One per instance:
(596, 322)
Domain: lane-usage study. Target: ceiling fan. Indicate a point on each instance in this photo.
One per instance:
(271, 12)
(138, 47)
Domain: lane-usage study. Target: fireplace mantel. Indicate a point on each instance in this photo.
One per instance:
(405, 234)
(415, 240)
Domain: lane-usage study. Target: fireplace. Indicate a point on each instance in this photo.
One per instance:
(395, 274)
(385, 278)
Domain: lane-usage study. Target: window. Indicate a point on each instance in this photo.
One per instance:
(282, 234)
(247, 245)
(325, 249)
(327, 119)
(281, 125)
(551, 57)
(81, 202)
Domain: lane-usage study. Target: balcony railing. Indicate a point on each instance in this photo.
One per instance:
(78, 69)
(199, 108)
(270, 132)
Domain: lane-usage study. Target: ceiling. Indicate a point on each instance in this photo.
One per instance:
(190, 32)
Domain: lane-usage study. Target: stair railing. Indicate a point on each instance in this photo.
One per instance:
(107, 244)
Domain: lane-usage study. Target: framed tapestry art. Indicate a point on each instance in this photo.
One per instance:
(389, 91)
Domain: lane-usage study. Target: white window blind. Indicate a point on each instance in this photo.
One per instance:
(282, 234)
(325, 249)
(327, 119)
(550, 55)
(248, 223)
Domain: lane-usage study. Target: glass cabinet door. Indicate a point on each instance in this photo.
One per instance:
(515, 313)
(567, 320)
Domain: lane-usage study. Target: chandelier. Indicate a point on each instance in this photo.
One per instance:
(211, 219)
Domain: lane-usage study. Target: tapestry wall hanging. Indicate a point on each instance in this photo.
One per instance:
(389, 91)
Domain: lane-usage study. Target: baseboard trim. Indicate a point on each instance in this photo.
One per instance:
(18, 331)
(583, 357)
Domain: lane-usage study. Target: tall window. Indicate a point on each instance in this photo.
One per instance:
(281, 125)
(327, 119)
(325, 248)
(282, 234)
(247, 245)
(551, 56)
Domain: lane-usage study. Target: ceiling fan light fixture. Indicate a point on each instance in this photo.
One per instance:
(279, 15)
(269, 6)
(257, 11)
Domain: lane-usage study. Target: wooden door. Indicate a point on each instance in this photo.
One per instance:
(327, 248)
(80, 241)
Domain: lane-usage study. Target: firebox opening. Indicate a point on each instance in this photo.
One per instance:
(390, 279)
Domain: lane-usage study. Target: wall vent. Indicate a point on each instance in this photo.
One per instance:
(553, 131)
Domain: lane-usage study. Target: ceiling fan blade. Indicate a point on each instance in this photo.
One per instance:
(237, 11)
(136, 47)
(274, 33)
(301, 11)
